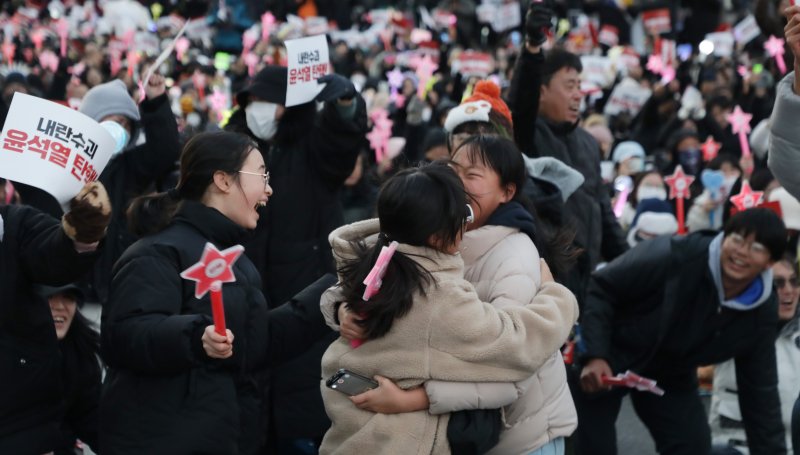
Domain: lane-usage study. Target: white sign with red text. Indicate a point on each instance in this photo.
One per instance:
(308, 61)
(52, 147)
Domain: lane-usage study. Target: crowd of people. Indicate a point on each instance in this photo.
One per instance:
(478, 210)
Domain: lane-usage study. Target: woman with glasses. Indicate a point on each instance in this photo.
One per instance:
(725, 417)
(174, 385)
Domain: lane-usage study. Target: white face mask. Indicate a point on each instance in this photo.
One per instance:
(119, 133)
(651, 192)
(261, 120)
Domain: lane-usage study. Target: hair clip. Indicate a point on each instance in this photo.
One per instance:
(375, 277)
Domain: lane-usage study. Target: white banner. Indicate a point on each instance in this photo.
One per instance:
(308, 61)
(52, 147)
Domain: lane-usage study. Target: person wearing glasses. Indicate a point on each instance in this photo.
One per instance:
(173, 384)
(725, 417)
(672, 304)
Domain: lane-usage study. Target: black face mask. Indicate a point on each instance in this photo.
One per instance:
(690, 160)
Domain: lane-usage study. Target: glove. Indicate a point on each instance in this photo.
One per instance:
(336, 87)
(537, 21)
(89, 214)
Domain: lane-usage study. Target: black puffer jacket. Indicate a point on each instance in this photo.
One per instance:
(656, 310)
(163, 394)
(33, 248)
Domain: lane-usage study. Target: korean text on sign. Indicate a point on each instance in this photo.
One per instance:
(308, 61)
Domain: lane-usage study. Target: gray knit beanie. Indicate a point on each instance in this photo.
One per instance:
(111, 98)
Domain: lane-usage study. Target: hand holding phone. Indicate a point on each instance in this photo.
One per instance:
(350, 383)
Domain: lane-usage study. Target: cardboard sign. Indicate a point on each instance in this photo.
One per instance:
(628, 96)
(52, 147)
(308, 61)
(747, 30)
(657, 21)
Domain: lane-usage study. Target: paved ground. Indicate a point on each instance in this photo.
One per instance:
(632, 436)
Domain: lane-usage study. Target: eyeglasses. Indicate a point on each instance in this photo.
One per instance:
(781, 282)
(754, 247)
(470, 215)
(264, 176)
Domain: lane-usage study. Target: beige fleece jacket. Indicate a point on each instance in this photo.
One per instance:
(449, 334)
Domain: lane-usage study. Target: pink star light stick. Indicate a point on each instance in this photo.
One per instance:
(710, 149)
(214, 268)
(747, 198)
(679, 189)
(774, 47)
(740, 124)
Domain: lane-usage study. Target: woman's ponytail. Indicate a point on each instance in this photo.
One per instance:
(152, 213)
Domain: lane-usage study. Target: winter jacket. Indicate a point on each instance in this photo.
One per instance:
(163, 394)
(290, 246)
(33, 249)
(657, 310)
(699, 219)
(589, 208)
(725, 417)
(784, 138)
(503, 265)
(448, 335)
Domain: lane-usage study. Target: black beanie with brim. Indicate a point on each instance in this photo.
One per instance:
(268, 85)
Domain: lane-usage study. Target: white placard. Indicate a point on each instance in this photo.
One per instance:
(723, 43)
(747, 30)
(308, 61)
(52, 147)
(507, 17)
(597, 69)
(628, 96)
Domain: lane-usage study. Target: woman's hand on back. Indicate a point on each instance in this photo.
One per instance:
(349, 329)
(216, 345)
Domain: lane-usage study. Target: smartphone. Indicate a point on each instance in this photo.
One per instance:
(350, 383)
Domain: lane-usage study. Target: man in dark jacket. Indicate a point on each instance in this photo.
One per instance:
(35, 248)
(545, 100)
(669, 306)
(309, 156)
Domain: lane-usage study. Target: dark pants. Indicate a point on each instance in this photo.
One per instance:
(796, 425)
(677, 421)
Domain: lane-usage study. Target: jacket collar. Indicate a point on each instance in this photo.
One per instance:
(211, 223)
(742, 302)
(342, 243)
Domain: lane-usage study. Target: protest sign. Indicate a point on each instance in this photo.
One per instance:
(628, 96)
(609, 35)
(747, 30)
(597, 69)
(723, 43)
(52, 147)
(473, 63)
(308, 61)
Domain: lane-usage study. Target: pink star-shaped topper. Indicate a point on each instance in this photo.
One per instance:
(215, 267)
(218, 101)
(710, 149)
(49, 61)
(740, 124)
(774, 47)
(267, 21)
(425, 69)
(8, 52)
(744, 72)
(181, 46)
(655, 64)
(395, 78)
(62, 28)
(747, 198)
(679, 184)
